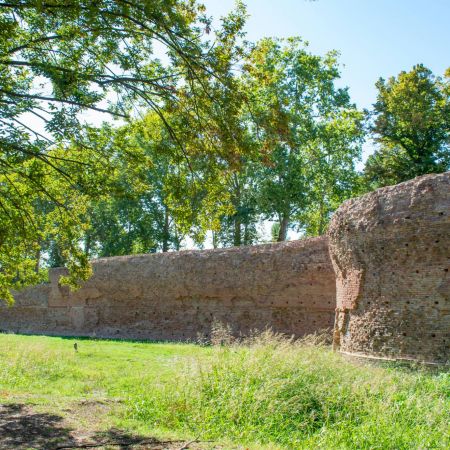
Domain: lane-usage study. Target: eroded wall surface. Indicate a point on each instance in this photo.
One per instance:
(289, 287)
(391, 253)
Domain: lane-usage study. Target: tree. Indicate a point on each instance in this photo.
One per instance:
(153, 206)
(129, 218)
(59, 59)
(240, 226)
(308, 130)
(179, 196)
(411, 124)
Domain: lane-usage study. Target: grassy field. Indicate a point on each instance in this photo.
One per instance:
(267, 394)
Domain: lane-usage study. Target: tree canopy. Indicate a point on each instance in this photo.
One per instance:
(309, 133)
(411, 124)
(59, 59)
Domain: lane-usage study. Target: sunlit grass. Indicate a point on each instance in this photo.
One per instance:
(265, 391)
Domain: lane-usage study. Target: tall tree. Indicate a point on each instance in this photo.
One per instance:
(167, 199)
(309, 133)
(59, 59)
(239, 227)
(411, 124)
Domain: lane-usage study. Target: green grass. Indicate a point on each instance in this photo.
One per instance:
(265, 392)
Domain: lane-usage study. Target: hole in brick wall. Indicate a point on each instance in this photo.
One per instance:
(408, 302)
(436, 303)
(404, 334)
(436, 241)
(445, 270)
(406, 245)
(408, 217)
(433, 335)
(441, 213)
(417, 271)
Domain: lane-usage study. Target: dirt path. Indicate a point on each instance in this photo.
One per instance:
(24, 428)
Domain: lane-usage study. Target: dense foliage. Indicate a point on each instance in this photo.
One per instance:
(411, 123)
(309, 134)
(59, 60)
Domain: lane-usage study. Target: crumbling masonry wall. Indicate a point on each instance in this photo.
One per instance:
(289, 287)
(391, 253)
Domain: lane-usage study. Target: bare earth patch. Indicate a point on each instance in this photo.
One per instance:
(23, 427)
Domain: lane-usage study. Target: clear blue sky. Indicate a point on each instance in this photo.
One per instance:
(375, 37)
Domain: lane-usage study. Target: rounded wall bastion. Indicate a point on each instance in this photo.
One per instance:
(391, 251)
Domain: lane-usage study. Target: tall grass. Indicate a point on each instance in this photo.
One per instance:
(296, 395)
(266, 390)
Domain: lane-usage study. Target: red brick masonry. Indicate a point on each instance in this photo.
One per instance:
(391, 253)
(289, 287)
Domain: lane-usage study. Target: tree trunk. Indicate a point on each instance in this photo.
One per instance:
(214, 240)
(237, 232)
(282, 235)
(87, 245)
(177, 239)
(165, 246)
(321, 220)
(38, 260)
(246, 233)
(236, 199)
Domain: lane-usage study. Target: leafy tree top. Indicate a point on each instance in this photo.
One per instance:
(411, 122)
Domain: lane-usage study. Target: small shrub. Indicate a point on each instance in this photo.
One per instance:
(221, 334)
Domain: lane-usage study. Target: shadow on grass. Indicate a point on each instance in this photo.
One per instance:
(99, 338)
(126, 441)
(22, 428)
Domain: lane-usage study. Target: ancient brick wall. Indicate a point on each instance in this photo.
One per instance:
(391, 253)
(289, 287)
